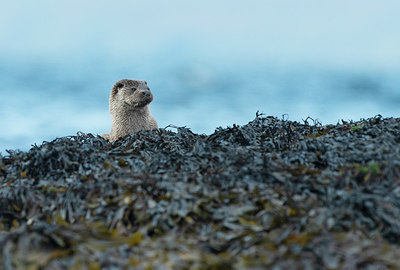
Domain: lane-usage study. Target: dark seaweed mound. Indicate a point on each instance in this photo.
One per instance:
(271, 193)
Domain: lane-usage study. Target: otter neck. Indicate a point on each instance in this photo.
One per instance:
(126, 121)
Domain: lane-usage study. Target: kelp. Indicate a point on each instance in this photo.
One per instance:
(272, 193)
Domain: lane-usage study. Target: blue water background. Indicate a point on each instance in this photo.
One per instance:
(209, 64)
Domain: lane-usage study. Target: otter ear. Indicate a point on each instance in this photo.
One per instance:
(116, 88)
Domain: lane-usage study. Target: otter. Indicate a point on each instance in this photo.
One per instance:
(129, 109)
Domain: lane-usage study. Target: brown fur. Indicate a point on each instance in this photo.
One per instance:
(129, 109)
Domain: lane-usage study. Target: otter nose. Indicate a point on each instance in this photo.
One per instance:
(146, 93)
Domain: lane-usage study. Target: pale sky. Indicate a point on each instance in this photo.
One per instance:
(363, 33)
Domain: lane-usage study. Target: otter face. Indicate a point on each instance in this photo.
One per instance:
(131, 93)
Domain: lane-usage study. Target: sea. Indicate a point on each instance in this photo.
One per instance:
(43, 101)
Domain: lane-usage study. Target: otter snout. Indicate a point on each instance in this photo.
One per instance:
(146, 93)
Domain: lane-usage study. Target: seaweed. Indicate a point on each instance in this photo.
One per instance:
(271, 193)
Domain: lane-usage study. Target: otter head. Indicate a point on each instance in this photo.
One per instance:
(131, 94)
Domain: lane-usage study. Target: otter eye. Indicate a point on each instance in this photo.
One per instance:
(120, 85)
(133, 89)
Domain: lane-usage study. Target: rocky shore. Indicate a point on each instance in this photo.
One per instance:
(270, 194)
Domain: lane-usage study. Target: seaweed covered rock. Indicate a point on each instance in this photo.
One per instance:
(272, 193)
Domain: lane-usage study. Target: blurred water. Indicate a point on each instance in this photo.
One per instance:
(209, 65)
(48, 101)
